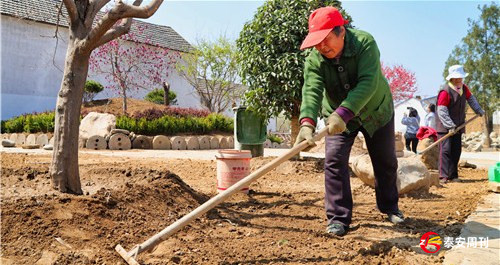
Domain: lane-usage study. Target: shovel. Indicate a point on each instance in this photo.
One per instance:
(149, 244)
(447, 135)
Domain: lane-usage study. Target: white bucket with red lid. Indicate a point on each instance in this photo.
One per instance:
(232, 166)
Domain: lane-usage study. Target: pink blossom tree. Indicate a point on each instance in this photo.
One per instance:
(402, 82)
(129, 64)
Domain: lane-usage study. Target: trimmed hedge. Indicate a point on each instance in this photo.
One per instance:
(30, 123)
(170, 125)
(151, 122)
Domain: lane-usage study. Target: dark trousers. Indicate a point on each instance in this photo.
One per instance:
(338, 197)
(411, 141)
(450, 150)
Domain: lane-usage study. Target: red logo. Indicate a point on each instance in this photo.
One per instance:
(430, 238)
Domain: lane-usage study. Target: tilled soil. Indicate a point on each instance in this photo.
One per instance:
(281, 220)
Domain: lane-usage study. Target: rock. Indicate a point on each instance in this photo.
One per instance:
(97, 124)
(48, 147)
(13, 137)
(96, 142)
(119, 141)
(431, 157)
(5, 136)
(400, 154)
(42, 139)
(223, 143)
(412, 174)
(230, 142)
(31, 139)
(113, 131)
(178, 143)
(275, 145)
(465, 164)
(142, 142)
(51, 141)
(493, 135)
(192, 143)
(20, 139)
(399, 146)
(30, 146)
(214, 142)
(132, 136)
(284, 145)
(268, 143)
(161, 142)
(8, 143)
(204, 142)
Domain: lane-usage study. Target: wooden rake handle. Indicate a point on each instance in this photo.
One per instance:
(447, 135)
(129, 257)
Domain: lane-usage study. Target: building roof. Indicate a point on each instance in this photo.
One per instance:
(45, 11)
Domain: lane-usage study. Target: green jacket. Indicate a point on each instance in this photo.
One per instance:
(360, 87)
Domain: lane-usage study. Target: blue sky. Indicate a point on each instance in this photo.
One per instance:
(419, 35)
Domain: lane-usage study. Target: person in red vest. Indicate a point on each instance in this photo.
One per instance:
(451, 114)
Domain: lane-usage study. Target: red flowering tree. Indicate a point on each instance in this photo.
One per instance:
(402, 81)
(129, 64)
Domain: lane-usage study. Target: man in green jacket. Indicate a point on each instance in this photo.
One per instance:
(343, 82)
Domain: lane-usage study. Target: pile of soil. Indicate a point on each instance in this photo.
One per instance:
(115, 106)
(281, 220)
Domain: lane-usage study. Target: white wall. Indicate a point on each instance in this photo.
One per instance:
(29, 79)
(401, 108)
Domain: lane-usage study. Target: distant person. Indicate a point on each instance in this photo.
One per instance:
(412, 122)
(451, 114)
(430, 118)
(343, 79)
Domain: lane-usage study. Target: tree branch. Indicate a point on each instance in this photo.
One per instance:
(71, 8)
(95, 6)
(115, 32)
(119, 11)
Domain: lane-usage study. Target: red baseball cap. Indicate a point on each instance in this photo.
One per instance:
(321, 22)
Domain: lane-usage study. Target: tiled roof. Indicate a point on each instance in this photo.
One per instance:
(46, 11)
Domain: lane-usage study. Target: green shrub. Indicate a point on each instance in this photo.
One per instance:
(274, 138)
(156, 96)
(91, 89)
(30, 123)
(171, 125)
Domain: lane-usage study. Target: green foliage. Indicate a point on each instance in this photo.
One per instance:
(91, 89)
(271, 62)
(171, 125)
(156, 96)
(30, 123)
(212, 69)
(479, 52)
(274, 138)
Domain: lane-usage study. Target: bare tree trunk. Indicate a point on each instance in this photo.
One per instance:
(64, 166)
(166, 91)
(124, 103)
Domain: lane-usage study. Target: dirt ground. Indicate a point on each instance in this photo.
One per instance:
(281, 220)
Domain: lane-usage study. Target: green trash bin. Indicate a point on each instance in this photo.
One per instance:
(249, 131)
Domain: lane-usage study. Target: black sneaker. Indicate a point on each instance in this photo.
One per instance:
(396, 217)
(337, 229)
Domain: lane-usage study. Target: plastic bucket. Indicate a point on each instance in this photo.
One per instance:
(232, 166)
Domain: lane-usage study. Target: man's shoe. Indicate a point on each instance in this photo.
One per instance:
(455, 180)
(396, 217)
(337, 229)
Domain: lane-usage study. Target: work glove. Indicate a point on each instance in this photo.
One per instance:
(452, 130)
(335, 124)
(305, 133)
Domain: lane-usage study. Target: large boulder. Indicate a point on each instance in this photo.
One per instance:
(431, 157)
(97, 124)
(412, 173)
(8, 143)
